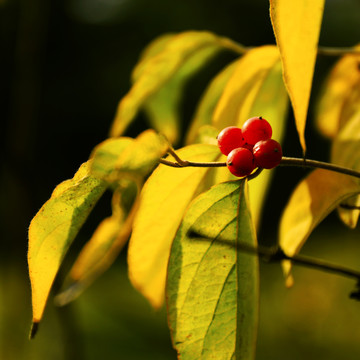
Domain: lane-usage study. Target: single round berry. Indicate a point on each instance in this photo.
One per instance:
(256, 129)
(240, 162)
(229, 139)
(267, 153)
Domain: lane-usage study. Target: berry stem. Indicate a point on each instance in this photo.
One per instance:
(285, 161)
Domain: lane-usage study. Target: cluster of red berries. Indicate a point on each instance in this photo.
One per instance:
(249, 147)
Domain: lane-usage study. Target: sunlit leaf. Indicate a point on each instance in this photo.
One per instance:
(271, 102)
(312, 200)
(163, 201)
(207, 104)
(54, 228)
(243, 86)
(297, 26)
(212, 288)
(104, 246)
(157, 70)
(336, 95)
(116, 158)
(346, 152)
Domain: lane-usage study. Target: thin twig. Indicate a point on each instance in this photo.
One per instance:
(276, 254)
(334, 51)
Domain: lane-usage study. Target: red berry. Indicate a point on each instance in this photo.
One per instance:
(267, 153)
(240, 162)
(256, 129)
(229, 139)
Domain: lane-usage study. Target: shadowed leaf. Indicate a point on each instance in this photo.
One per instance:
(54, 228)
(104, 246)
(297, 26)
(311, 201)
(336, 95)
(346, 152)
(212, 289)
(165, 61)
(163, 200)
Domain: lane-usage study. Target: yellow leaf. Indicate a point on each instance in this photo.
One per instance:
(337, 95)
(54, 228)
(207, 104)
(163, 201)
(312, 200)
(243, 86)
(297, 26)
(263, 93)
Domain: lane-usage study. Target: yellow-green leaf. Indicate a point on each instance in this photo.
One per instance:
(54, 228)
(115, 159)
(337, 92)
(312, 200)
(212, 288)
(104, 246)
(243, 86)
(160, 68)
(207, 104)
(271, 102)
(297, 26)
(346, 152)
(163, 201)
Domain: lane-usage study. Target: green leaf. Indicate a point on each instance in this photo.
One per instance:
(337, 94)
(346, 152)
(115, 159)
(156, 71)
(296, 26)
(243, 86)
(54, 228)
(163, 201)
(311, 201)
(212, 288)
(104, 246)
(207, 104)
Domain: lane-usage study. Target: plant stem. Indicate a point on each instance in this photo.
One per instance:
(286, 161)
(276, 254)
(333, 51)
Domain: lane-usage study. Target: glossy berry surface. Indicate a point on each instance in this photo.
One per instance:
(256, 129)
(240, 162)
(267, 153)
(229, 139)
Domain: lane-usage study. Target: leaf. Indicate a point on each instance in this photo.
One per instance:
(115, 159)
(336, 93)
(212, 288)
(267, 98)
(346, 152)
(296, 26)
(163, 200)
(54, 228)
(161, 68)
(104, 246)
(243, 86)
(207, 104)
(312, 200)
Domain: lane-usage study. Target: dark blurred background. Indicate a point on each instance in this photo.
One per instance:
(64, 67)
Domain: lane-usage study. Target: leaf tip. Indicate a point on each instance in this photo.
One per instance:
(34, 329)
